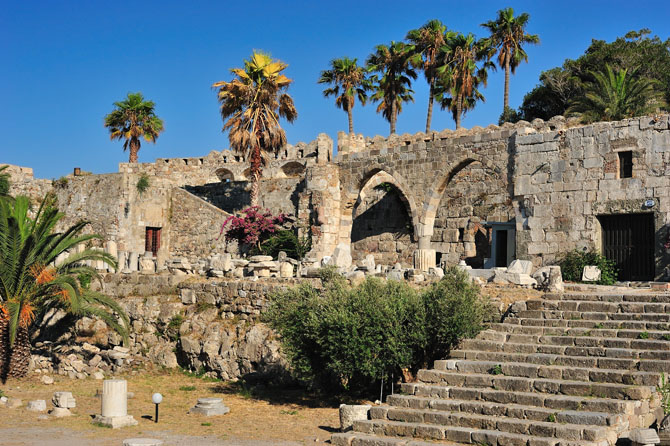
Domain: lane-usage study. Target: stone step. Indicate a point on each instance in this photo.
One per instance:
(599, 297)
(564, 360)
(537, 399)
(543, 428)
(595, 307)
(467, 435)
(529, 370)
(564, 350)
(593, 315)
(542, 385)
(360, 439)
(532, 413)
(591, 324)
(645, 339)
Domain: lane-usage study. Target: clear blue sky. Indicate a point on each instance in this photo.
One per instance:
(65, 62)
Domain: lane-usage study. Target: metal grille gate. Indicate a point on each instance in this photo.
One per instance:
(629, 241)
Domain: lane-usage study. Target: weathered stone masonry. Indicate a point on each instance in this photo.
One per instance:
(530, 190)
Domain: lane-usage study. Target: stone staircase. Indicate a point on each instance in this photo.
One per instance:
(565, 370)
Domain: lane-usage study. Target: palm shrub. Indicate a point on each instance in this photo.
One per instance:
(573, 263)
(4, 181)
(294, 245)
(32, 283)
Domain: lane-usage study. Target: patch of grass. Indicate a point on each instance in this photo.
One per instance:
(551, 418)
(96, 424)
(200, 374)
(599, 326)
(143, 183)
(643, 335)
(187, 388)
(2, 394)
(496, 370)
(666, 337)
(289, 412)
(205, 424)
(203, 306)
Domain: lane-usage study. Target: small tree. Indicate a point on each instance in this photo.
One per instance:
(253, 227)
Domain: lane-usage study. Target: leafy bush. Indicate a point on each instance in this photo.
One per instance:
(664, 390)
(509, 115)
(574, 262)
(253, 228)
(454, 310)
(288, 241)
(143, 183)
(345, 338)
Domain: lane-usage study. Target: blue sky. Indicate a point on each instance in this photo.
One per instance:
(65, 63)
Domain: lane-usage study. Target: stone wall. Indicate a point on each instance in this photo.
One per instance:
(280, 195)
(566, 179)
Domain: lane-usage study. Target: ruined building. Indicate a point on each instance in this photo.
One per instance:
(528, 191)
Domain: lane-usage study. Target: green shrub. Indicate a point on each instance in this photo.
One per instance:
(345, 338)
(573, 263)
(454, 310)
(349, 338)
(143, 183)
(288, 241)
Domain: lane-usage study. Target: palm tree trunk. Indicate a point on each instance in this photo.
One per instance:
(459, 111)
(431, 92)
(256, 171)
(4, 347)
(506, 95)
(134, 148)
(19, 356)
(351, 119)
(393, 116)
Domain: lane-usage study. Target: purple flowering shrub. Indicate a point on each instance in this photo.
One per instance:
(253, 227)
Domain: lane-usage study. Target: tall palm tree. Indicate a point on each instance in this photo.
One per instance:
(615, 95)
(392, 89)
(427, 43)
(133, 119)
(348, 81)
(508, 35)
(251, 105)
(32, 282)
(458, 84)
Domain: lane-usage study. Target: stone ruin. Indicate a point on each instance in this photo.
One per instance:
(485, 196)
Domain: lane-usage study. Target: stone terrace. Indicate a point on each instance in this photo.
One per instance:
(569, 369)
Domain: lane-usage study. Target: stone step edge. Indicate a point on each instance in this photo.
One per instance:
(383, 413)
(595, 322)
(497, 344)
(585, 329)
(589, 417)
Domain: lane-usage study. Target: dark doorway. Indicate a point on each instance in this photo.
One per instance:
(629, 241)
(501, 248)
(152, 241)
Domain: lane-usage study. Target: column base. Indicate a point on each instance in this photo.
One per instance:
(424, 259)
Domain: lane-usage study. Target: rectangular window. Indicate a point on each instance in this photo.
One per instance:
(153, 240)
(625, 164)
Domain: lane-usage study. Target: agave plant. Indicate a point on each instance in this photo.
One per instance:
(39, 271)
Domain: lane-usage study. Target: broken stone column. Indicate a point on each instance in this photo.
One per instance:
(644, 437)
(122, 260)
(63, 402)
(210, 407)
(133, 260)
(115, 404)
(424, 259)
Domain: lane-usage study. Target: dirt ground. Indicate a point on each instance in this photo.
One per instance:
(256, 418)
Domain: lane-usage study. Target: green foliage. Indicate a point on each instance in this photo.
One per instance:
(643, 335)
(4, 181)
(288, 241)
(551, 418)
(573, 263)
(509, 115)
(60, 183)
(496, 370)
(206, 424)
(143, 183)
(386, 187)
(348, 81)
(562, 85)
(454, 310)
(172, 329)
(664, 390)
(85, 279)
(187, 388)
(345, 338)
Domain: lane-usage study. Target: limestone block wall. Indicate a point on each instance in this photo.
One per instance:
(565, 179)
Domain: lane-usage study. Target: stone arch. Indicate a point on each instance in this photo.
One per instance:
(225, 175)
(293, 169)
(440, 185)
(246, 174)
(364, 186)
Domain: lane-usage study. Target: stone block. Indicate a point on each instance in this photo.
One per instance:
(352, 412)
(520, 267)
(210, 407)
(64, 400)
(60, 412)
(37, 406)
(341, 256)
(591, 274)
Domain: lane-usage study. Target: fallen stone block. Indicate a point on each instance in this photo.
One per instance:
(210, 407)
(520, 267)
(352, 412)
(37, 406)
(591, 274)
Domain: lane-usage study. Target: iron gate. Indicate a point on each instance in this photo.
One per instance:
(629, 241)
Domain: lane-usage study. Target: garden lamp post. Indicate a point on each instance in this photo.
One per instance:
(157, 398)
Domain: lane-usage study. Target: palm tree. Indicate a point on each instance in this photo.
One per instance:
(427, 42)
(348, 81)
(392, 62)
(508, 35)
(615, 95)
(32, 282)
(133, 119)
(251, 105)
(4, 181)
(459, 80)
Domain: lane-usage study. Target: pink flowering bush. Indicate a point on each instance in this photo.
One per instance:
(253, 227)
